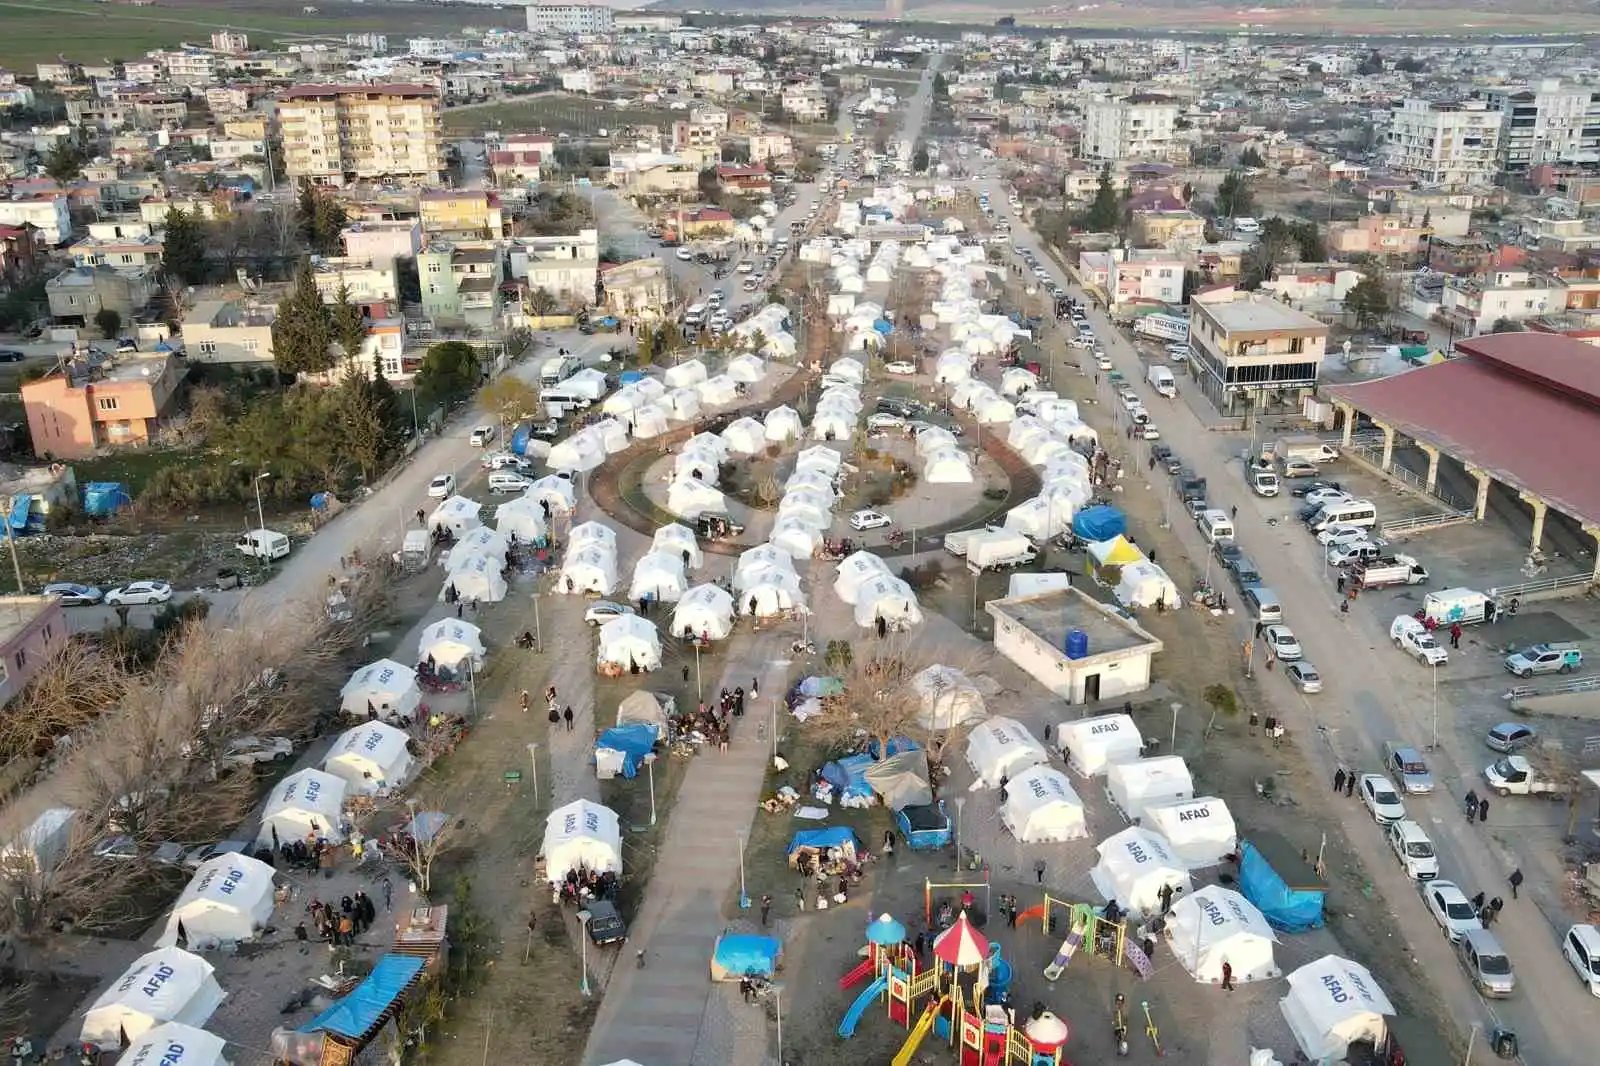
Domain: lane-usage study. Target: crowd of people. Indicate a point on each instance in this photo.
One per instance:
(583, 884)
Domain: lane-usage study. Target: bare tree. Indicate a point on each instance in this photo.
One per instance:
(881, 700)
(71, 689)
(428, 833)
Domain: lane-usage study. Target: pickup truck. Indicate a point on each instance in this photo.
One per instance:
(956, 543)
(1263, 480)
(1392, 570)
(1516, 775)
(1413, 638)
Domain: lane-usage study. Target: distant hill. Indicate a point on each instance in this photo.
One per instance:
(1103, 12)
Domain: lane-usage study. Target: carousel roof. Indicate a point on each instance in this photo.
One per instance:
(961, 944)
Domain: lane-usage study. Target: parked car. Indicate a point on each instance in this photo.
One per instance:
(901, 367)
(1559, 657)
(481, 436)
(139, 593)
(504, 461)
(603, 611)
(1338, 536)
(253, 751)
(1451, 908)
(1303, 675)
(12, 355)
(1294, 468)
(1581, 946)
(73, 595)
(195, 856)
(442, 486)
(605, 923)
(1381, 799)
(1282, 643)
(1510, 737)
(1305, 488)
(1408, 768)
(1487, 964)
(869, 520)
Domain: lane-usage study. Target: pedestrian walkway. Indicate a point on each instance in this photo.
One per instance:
(667, 1013)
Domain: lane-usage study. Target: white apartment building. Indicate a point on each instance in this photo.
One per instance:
(1547, 123)
(191, 68)
(338, 134)
(805, 102)
(1445, 144)
(1135, 128)
(46, 211)
(566, 266)
(1473, 305)
(566, 19)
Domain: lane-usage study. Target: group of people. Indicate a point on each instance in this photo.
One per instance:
(583, 884)
(339, 927)
(1475, 807)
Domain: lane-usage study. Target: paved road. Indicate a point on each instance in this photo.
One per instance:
(1374, 695)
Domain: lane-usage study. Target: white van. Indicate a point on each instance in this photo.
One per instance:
(695, 314)
(1414, 850)
(263, 544)
(1345, 513)
(503, 481)
(1214, 525)
(565, 397)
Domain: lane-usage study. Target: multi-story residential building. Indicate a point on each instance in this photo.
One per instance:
(569, 19)
(1546, 123)
(78, 294)
(78, 409)
(122, 246)
(12, 92)
(21, 252)
(653, 174)
(191, 67)
(1167, 229)
(367, 282)
(383, 241)
(1142, 277)
(1247, 350)
(336, 134)
(695, 135)
(565, 266)
(1452, 144)
(711, 115)
(153, 212)
(1137, 127)
(229, 330)
(47, 212)
(1474, 305)
(230, 100)
(515, 166)
(1390, 236)
(765, 147)
(754, 180)
(244, 127)
(580, 81)
(1459, 255)
(231, 41)
(461, 282)
(638, 288)
(32, 629)
(60, 73)
(461, 214)
(805, 102)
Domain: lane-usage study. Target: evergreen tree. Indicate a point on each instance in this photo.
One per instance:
(388, 401)
(322, 219)
(348, 323)
(1368, 299)
(183, 251)
(1105, 212)
(303, 332)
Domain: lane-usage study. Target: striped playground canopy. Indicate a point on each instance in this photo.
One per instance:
(961, 945)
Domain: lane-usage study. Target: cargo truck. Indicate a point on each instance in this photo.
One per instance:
(558, 368)
(1458, 605)
(1391, 570)
(1002, 548)
(1520, 775)
(1304, 447)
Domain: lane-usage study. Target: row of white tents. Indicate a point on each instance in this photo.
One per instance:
(864, 582)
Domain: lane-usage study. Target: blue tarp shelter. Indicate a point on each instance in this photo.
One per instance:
(366, 1008)
(837, 836)
(519, 440)
(1290, 910)
(21, 507)
(883, 326)
(848, 776)
(924, 828)
(896, 746)
(1099, 523)
(102, 498)
(630, 377)
(738, 955)
(631, 742)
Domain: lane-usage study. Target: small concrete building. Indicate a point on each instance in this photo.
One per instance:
(1033, 632)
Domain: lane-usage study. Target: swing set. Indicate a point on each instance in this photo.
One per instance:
(929, 885)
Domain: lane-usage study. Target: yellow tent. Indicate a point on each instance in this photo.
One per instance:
(1118, 551)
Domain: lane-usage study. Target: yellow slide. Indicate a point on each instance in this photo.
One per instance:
(925, 1023)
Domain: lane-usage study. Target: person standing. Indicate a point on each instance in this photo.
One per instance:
(1227, 976)
(1340, 584)
(527, 701)
(1166, 899)
(1338, 781)
(1455, 634)
(766, 909)
(1038, 871)
(1515, 880)
(566, 716)
(800, 900)
(1350, 784)
(1483, 811)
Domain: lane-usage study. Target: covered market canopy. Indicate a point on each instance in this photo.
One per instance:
(1042, 807)
(1201, 831)
(229, 898)
(1333, 1003)
(370, 758)
(628, 641)
(453, 643)
(164, 985)
(1002, 747)
(1213, 925)
(1092, 745)
(1142, 783)
(304, 805)
(949, 698)
(175, 1044)
(1134, 866)
(581, 835)
(383, 689)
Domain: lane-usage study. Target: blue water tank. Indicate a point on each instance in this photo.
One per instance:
(1077, 644)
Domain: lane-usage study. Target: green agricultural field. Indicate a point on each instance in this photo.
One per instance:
(556, 113)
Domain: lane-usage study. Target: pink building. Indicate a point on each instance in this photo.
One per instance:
(32, 628)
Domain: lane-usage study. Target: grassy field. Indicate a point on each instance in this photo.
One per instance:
(41, 30)
(555, 113)
(1355, 21)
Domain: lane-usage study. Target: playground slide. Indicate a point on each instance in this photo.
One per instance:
(914, 1041)
(857, 975)
(847, 1027)
(1069, 948)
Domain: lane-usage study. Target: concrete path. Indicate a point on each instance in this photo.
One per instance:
(659, 1015)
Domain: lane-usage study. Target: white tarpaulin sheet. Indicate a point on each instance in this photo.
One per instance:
(1214, 925)
(1145, 783)
(229, 898)
(1333, 1003)
(1042, 807)
(1091, 745)
(1002, 747)
(581, 835)
(1134, 866)
(1201, 831)
(164, 985)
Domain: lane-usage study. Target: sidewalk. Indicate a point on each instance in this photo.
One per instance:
(666, 1013)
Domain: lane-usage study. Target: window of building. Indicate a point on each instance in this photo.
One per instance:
(208, 347)
(107, 403)
(250, 344)
(22, 659)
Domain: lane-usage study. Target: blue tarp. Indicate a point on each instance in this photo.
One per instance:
(1290, 910)
(924, 828)
(633, 741)
(629, 377)
(848, 775)
(883, 326)
(21, 505)
(1099, 523)
(896, 746)
(359, 1013)
(519, 440)
(105, 497)
(738, 954)
(821, 686)
(833, 837)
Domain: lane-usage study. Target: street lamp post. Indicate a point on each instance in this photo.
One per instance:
(960, 802)
(650, 765)
(744, 897)
(583, 950)
(261, 515)
(533, 761)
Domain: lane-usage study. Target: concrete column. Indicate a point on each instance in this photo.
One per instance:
(1539, 510)
(1349, 420)
(1594, 531)
(1388, 447)
(1433, 463)
(1481, 508)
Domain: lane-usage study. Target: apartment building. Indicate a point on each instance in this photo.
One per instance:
(338, 134)
(78, 294)
(75, 411)
(1389, 236)
(515, 166)
(122, 246)
(638, 288)
(1251, 354)
(461, 283)
(32, 628)
(461, 214)
(569, 19)
(47, 212)
(1546, 123)
(1474, 305)
(805, 102)
(1136, 127)
(383, 241)
(1452, 144)
(230, 41)
(229, 330)
(191, 67)
(366, 281)
(765, 147)
(21, 252)
(565, 266)
(697, 135)
(1142, 277)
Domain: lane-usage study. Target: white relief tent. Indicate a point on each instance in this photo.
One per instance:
(175, 1044)
(228, 898)
(592, 569)
(385, 688)
(1002, 747)
(1201, 830)
(370, 759)
(658, 576)
(1214, 925)
(304, 804)
(458, 515)
(1092, 745)
(581, 835)
(168, 984)
(1333, 1003)
(1042, 807)
(855, 572)
(949, 697)
(705, 610)
(1141, 783)
(889, 599)
(1134, 866)
(453, 643)
(629, 640)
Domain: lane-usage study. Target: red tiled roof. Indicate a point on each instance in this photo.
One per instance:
(1519, 406)
(397, 88)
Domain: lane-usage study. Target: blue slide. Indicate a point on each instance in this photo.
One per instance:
(847, 1027)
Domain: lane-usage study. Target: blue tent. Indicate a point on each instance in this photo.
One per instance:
(633, 741)
(21, 507)
(629, 377)
(1099, 523)
(369, 1004)
(883, 326)
(1291, 910)
(836, 836)
(821, 686)
(737, 955)
(896, 746)
(848, 776)
(924, 828)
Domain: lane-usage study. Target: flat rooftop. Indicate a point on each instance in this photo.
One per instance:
(1051, 615)
(17, 613)
(1249, 316)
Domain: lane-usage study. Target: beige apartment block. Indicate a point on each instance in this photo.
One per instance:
(342, 134)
